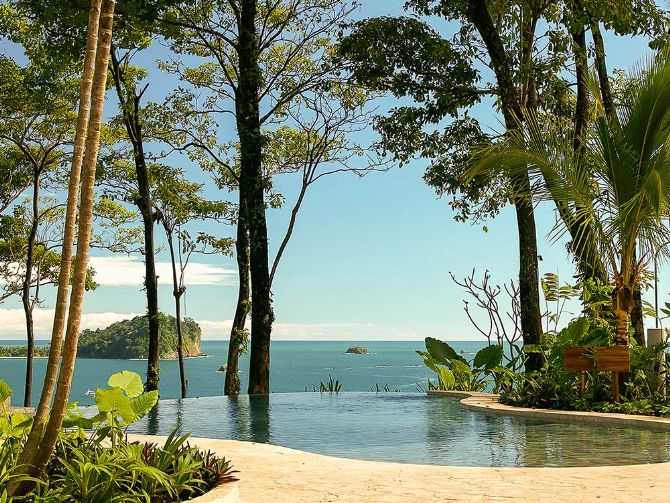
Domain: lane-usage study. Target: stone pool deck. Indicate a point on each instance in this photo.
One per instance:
(272, 474)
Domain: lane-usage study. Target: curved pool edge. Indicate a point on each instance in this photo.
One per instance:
(225, 493)
(284, 475)
(488, 403)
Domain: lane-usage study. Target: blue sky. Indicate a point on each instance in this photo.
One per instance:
(369, 259)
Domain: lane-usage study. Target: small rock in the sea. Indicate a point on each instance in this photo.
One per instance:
(357, 350)
(223, 368)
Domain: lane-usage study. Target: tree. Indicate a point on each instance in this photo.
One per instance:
(37, 123)
(125, 83)
(528, 47)
(406, 57)
(625, 196)
(178, 203)
(43, 435)
(264, 62)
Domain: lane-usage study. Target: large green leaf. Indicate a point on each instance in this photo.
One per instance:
(447, 379)
(144, 403)
(130, 382)
(574, 332)
(5, 391)
(441, 352)
(115, 402)
(461, 369)
(428, 360)
(489, 357)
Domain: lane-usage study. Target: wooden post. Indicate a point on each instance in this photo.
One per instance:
(615, 386)
(578, 359)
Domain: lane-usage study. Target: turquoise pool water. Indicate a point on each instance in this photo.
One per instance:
(405, 428)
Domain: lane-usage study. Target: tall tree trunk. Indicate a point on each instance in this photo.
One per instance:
(252, 192)
(151, 284)
(637, 318)
(529, 296)
(237, 333)
(623, 305)
(601, 70)
(83, 237)
(29, 452)
(177, 292)
(25, 292)
(133, 123)
(586, 255)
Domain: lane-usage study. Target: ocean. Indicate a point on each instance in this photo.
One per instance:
(295, 366)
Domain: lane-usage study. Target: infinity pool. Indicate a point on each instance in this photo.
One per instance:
(406, 428)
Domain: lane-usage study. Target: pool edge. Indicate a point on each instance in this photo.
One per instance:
(488, 403)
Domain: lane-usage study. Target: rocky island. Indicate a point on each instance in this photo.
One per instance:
(357, 350)
(129, 339)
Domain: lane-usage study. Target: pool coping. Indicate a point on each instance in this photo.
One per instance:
(488, 403)
(225, 493)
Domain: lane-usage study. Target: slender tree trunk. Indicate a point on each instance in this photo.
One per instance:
(529, 296)
(131, 118)
(289, 229)
(586, 255)
(151, 284)
(25, 292)
(177, 293)
(83, 237)
(237, 333)
(252, 192)
(601, 70)
(27, 457)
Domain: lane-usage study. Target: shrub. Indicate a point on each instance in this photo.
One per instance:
(102, 466)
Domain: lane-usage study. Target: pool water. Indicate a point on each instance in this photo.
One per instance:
(405, 428)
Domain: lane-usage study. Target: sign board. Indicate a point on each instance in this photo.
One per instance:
(613, 359)
(578, 359)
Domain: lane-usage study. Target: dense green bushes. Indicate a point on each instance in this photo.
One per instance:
(102, 466)
(130, 339)
(22, 351)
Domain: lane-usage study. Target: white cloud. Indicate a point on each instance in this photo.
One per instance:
(129, 271)
(13, 322)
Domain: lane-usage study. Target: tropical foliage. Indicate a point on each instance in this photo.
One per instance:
(618, 186)
(101, 465)
(455, 372)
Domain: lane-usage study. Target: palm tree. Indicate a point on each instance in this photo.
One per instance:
(40, 456)
(42, 413)
(623, 194)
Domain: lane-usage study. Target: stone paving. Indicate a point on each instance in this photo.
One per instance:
(272, 474)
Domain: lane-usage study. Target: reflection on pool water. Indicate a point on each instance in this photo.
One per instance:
(406, 428)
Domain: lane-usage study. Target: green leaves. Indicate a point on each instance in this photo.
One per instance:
(116, 403)
(489, 357)
(5, 391)
(440, 351)
(455, 372)
(144, 403)
(126, 399)
(127, 381)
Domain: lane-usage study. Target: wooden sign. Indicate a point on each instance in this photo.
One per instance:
(578, 359)
(613, 359)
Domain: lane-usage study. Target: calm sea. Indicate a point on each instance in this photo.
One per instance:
(295, 366)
